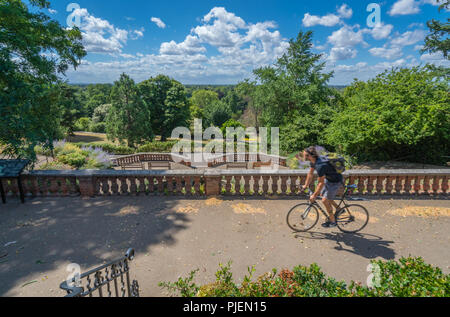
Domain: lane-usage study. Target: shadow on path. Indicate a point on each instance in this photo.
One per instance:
(47, 234)
(368, 246)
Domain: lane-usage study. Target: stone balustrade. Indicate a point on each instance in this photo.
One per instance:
(213, 161)
(90, 183)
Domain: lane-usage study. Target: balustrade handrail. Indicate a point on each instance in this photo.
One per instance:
(90, 183)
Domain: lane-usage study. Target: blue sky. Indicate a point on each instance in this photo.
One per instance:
(221, 42)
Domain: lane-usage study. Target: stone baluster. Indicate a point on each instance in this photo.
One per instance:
(133, 186)
(228, 186)
(188, 185)
(408, 184)
(247, 185)
(426, 185)
(266, 185)
(197, 184)
(416, 187)
(114, 186)
(380, 184)
(445, 184)
(398, 185)
(436, 185)
(124, 186)
(160, 185)
(361, 185)
(284, 185)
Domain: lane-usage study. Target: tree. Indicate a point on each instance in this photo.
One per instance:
(217, 114)
(401, 114)
(70, 107)
(294, 95)
(95, 96)
(235, 103)
(34, 51)
(166, 99)
(437, 40)
(129, 117)
(98, 121)
(203, 98)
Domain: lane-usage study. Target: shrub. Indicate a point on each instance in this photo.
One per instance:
(82, 157)
(40, 150)
(157, 147)
(98, 127)
(52, 166)
(410, 277)
(109, 148)
(406, 278)
(82, 124)
(75, 159)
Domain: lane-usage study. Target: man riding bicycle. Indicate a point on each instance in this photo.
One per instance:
(330, 181)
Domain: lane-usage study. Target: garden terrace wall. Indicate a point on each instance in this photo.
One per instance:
(90, 183)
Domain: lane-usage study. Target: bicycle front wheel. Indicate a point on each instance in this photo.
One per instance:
(352, 219)
(303, 217)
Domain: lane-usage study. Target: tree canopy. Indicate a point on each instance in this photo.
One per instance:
(129, 117)
(401, 114)
(166, 99)
(438, 40)
(34, 51)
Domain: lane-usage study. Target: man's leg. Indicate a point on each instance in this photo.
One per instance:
(329, 206)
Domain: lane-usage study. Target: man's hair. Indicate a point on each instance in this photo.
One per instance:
(312, 151)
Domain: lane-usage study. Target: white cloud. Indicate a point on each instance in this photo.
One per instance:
(381, 31)
(158, 22)
(342, 53)
(328, 20)
(241, 48)
(100, 36)
(190, 46)
(224, 31)
(346, 37)
(432, 2)
(388, 53)
(344, 74)
(52, 11)
(343, 12)
(405, 7)
(437, 59)
(409, 38)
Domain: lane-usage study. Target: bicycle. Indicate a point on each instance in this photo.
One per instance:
(304, 217)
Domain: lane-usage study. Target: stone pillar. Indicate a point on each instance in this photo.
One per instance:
(87, 186)
(212, 183)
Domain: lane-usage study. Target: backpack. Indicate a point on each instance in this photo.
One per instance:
(337, 161)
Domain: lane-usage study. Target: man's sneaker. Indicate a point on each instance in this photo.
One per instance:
(329, 224)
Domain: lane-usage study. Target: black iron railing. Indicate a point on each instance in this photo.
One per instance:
(109, 280)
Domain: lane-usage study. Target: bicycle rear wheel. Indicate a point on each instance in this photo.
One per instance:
(352, 219)
(302, 217)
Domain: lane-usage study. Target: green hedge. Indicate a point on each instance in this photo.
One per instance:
(409, 277)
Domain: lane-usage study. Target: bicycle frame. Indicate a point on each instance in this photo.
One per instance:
(316, 204)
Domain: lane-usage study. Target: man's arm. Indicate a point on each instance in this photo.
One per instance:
(320, 186)
(309, 178)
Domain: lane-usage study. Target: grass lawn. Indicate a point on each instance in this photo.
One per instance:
(88, 137)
